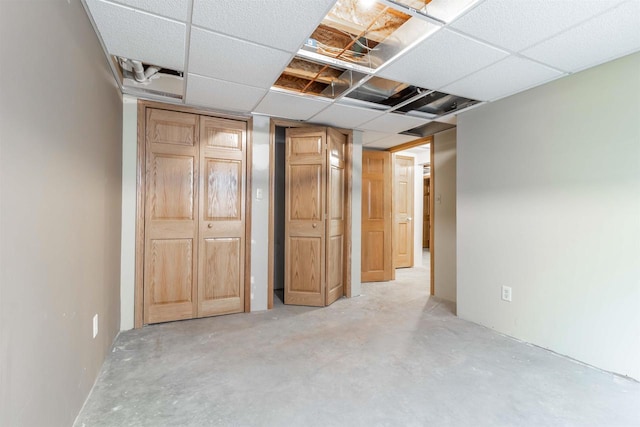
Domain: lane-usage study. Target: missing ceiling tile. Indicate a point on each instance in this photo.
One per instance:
(137, 76)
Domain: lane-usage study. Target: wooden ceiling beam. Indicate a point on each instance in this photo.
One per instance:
(308, 75)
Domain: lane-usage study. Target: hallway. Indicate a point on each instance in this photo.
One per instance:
(392, 356)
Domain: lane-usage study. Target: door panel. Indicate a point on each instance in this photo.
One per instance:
(171, 188)
(305, 190)
(403, 211)
(171, 127)
(170, 283)
(223, 189)
(306, 202)
(221, 216)
(335, 255)
(305, 266)
(377, 217)
(425, 214)
(170, 225)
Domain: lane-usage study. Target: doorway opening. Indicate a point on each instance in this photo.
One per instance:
(412, 213)
(310, 215)
(279, 213)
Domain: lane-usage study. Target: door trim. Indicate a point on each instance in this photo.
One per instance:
(432, 174)
(432, 212)
(140, 200)
(272, 187)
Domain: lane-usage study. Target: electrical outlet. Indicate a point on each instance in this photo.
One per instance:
(95, 325)
(506, 293)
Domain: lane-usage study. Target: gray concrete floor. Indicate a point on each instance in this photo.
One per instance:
(391, 357)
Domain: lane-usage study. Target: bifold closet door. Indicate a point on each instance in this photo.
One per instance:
(305, 190)
(171, 209)
(337, 144)
(222, 216)
(377, 217)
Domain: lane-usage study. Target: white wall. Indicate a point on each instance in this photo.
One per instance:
(356, 215)
(260, 214)
(444, 239)
(549, 204)
(128, 233)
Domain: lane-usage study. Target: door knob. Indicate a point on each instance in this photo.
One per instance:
(314, 225)
(210, 225)
(408, 218)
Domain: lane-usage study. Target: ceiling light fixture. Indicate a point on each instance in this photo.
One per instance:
(367, 4)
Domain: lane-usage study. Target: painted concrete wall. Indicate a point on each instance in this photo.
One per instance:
(60, 183)
(444, 166)
(549, 204)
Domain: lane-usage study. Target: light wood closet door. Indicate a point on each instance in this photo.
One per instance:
(222, 213)
(403, 186)
(171, 209)
(305, 190)
(336, 159)
(377, 254)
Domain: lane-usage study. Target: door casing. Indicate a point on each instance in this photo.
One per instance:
(141, 183)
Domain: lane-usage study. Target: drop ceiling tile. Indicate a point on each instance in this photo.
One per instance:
(370, 136)
(225, 58)
(604, 38)
(221, 95)
(447, 10)
(441, 59)
(516, 25)
(393, 122)
(345, 116)
(138, 35)
(288, 106)
(503, 78)
(391, 141)
(175, 9)
(283, 24)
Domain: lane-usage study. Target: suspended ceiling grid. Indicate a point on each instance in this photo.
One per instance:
(233, 51)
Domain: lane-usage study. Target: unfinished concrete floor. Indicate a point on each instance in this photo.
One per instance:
(391, 357)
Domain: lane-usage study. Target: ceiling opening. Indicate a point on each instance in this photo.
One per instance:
(141, 77)
(340, 58)
(353, 29)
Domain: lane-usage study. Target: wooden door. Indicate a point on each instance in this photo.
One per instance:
(425, 213)
(305, 189)
(377, 254)
(171, 209)
(403, 185)
(335, 224)
(221, 219)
